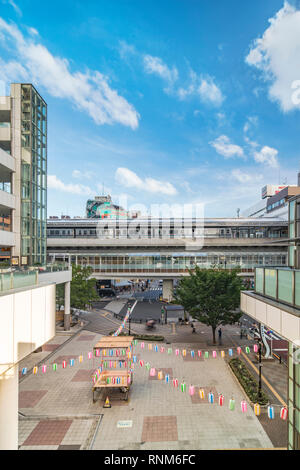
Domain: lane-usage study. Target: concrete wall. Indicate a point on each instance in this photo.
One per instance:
(274, 317)
(27, 320)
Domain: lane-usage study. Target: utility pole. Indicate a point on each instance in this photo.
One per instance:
(260, 366)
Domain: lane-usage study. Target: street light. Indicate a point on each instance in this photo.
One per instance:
(259, 368)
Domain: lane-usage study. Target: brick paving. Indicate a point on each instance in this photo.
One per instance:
(83, 375)
(50, 347)
(30, 398)
(159, 429)
(199, 425)
(48, 432)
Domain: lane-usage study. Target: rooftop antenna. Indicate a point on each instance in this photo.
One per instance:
(238, 212)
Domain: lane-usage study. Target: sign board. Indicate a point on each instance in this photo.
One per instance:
(124, 424)
(271, 190)
(15, 261)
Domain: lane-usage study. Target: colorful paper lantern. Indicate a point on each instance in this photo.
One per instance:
(167, 378)
(192, 353)
(175, 382)
(147, 365)
(97, 353)
(90, 355)
(142, 345)
(150, 346)
(210, 397)
(199, 353)
(72, 362)
(152, 372)
(81, 358)
(134, 359)
(255, 348)
(231, 404)
(156, 348)
(169, 350)
(24, 370)
(183, 387)
(257, 409)
(214, 353)
(44, 368)
(141, 362)
(283, 413)
(271, 413)
(206, 354)
(177, 352)
(128, 379)
(201, 393)
(230, 352)
(191, 390)
(221, 400)
(247, 349)
(54, 366)
(160, 375)
(222, 353)
(239, 350)
(162, 349)
(184, 352)
(118, 380)
(243, 406)
(64, 364)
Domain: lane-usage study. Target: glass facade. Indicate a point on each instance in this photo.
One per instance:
(294, 397)
(173, 262)
(33, 175)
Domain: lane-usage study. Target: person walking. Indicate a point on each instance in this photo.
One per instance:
(220, 335)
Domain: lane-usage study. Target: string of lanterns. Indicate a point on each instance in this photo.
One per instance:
(220, 399)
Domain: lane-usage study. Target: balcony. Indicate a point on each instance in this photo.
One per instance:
(275, 302)
(280, 284)
(17, 278)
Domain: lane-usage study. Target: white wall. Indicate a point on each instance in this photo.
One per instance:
(27, 321)
(276, 318)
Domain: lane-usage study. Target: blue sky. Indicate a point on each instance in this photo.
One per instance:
(162, 102)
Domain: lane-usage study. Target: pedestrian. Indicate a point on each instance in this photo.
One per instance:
(220, 334)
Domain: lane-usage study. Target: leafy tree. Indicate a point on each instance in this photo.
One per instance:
(83, 288)
(211, 296)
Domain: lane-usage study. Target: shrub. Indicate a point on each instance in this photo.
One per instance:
(142, 337)
(247, 381)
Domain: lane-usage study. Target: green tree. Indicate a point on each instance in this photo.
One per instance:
(83, 288)
(211, 296)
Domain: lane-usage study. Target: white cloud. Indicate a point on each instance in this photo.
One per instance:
(243, 177)
(54, 183)
(82, 174)
(204, 87)
(268, 156)
(128, 178)
(14, 5)
(89, 91)
(155, 65)
(224, 147)
(277, 55)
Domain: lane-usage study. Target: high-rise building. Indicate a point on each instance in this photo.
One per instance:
(23, 136)
(102, 207)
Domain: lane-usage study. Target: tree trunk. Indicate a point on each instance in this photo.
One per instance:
(214, 334)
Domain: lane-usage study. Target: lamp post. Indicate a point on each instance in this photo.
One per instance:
(259, 369)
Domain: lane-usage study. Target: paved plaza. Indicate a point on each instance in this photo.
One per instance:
(57, 411)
